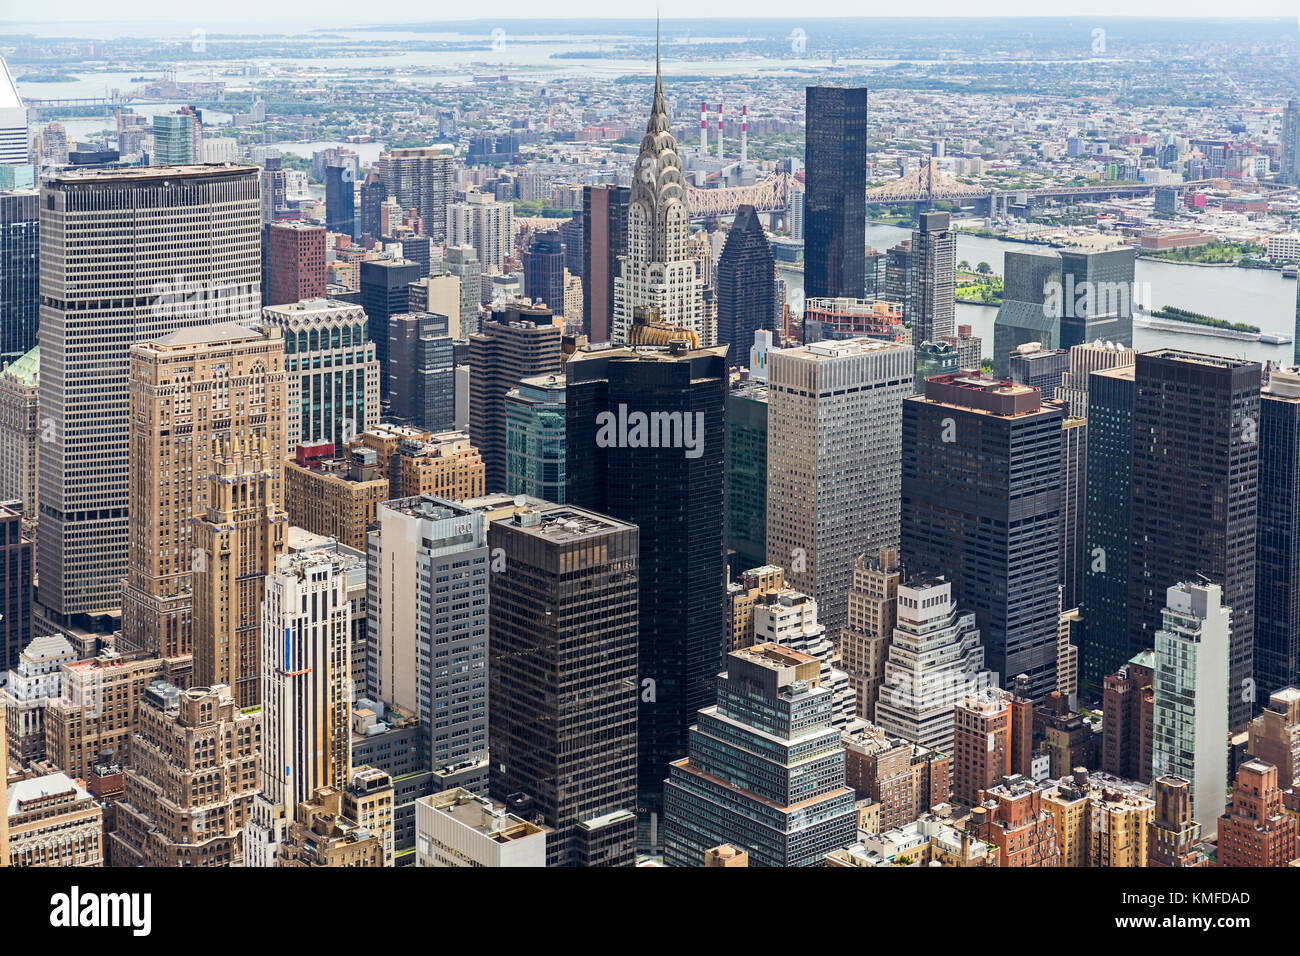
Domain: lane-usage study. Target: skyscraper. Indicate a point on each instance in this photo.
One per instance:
(484, 223)
(1277, 549)
(13, 126)
(331, 372)
(765, 770)
(184, 253)
(747, 475)
(192, 392)
(296, 261)
(340, 199)
(421, 178)
(20, 429)
(564, 688)
(1062, 299)
(306, 724)
(16, 569)
(981, 752)
(835, 198)
(833, 461)
(427, 597)
(934, 306)
(1190, 721)
(20, 271)
(1105, 641)
(463, 263)
(535, 459)
(237, 541)
(384, 294)
(935, 661)
(873, 613)
(1074, 487)
(1290, 166)
(422, 371)
(646, 443)
(519, 342)
(746, 286)
(544, 271)
(981, 505)
(173, 139)
(658, 277)
(1196, 415)
(604, 243)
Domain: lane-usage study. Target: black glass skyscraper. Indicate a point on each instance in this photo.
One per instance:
(646, 442)
(1277, 561)
(746, 286)
(835, 198)
(1194, 500)
(1105, 644)
(340, 199)
(981, 504)
(19, 273)
(544, 271)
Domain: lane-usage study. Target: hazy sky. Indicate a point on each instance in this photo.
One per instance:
(308, 13)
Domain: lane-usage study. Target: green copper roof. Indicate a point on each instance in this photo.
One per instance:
(26, 370)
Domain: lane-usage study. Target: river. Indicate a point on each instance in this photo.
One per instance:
(1255, 296)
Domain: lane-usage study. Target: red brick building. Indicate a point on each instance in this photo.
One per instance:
(981, 752)
(1253, 830)
(1128, 707)
(296, 262)
(1011, 817)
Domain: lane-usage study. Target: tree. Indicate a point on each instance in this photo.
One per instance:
(983, 268)
(963, 266)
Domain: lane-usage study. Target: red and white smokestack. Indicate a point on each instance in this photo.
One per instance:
(719, 131)
(704, 128)
(744, 133)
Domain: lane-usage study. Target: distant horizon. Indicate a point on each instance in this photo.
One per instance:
(310, 15)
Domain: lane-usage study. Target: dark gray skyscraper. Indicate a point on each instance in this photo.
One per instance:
(1277, 561)
(1194, 500)
(1290, 171)
(646, 442)
(746, 286)
(934, 305)
(1063, 299)
(422, 371)
(544, 271)
(982, 505)
(383, 295)
(563, 684)
(835, 198)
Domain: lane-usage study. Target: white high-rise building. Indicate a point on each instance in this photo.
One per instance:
(935, 660)
(306, 694)
(1190, 723)
(796, 213)
(789, 618)
(127, 255)
(13, 121)
(659, 272)
(427, 607)
(486, 224)
(834, 462)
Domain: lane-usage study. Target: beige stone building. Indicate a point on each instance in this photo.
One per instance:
(20, 429)
(446, 465)
(335, 497)
(190, 784)
(53, 822)
(191, 392)
(872, 615)
(238, 539)
(96, 713)
(322, 835)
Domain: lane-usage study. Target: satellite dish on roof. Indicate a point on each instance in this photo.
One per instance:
(521, 501)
